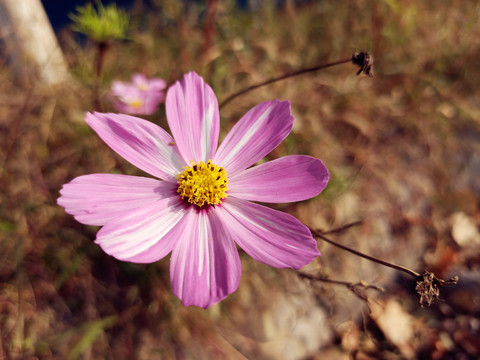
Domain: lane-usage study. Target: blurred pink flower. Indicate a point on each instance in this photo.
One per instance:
(202, 205)
(142, 96)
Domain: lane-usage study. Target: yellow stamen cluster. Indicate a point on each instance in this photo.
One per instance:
(203, 184)
(136, 103)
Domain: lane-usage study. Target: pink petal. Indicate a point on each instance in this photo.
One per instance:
(157, 84)
(139, 80)
(291, 178)
(143, 83)
(162, 247)
(119, 88)
(98, 198)
(257, 133)
(142, 234)
(142, 143)
(205, 266)
(124, 106)
(192, 113)
(151, 103)
(269, 236)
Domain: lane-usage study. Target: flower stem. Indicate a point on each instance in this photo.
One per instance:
(348, 284)
(362, 59)
(427, 284)
(359, 289)
(101, 51)
(286, 76)
(408, 271)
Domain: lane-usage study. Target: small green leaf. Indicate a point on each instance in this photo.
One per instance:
(91, 331)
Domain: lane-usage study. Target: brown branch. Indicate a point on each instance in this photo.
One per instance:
(342, 228)
(286, 76)
(348, 284)
(361, 59)
(404, 269)
(427, 284)
(358, 289)
(102, 48)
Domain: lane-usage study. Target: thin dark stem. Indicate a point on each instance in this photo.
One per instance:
(359, 288)
(323, 279)
(342, 228)
(101, 51)
(286, 76)
(338, 282)
(368, 257)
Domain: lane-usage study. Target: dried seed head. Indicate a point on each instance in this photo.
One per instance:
(365, 61)
(428, 287)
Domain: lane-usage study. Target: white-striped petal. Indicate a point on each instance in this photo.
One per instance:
(135, 232)
(257, 133)
(142, 143)
(193, 117)
(205, 266)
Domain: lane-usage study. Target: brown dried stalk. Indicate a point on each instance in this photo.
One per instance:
(427, 284)
(359, 289)
(361, 59)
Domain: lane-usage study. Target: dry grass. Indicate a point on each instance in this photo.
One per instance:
(402, 149)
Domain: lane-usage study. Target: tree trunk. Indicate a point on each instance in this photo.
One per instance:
(30, 43)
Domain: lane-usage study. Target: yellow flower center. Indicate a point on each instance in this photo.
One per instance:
(136, 103)
(203, 184)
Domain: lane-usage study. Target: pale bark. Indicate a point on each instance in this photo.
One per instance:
(30, 43)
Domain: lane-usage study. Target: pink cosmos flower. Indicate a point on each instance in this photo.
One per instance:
(139, 97)
(199, 206)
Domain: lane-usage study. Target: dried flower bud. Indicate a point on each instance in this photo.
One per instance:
(365, 61)
(428, 287)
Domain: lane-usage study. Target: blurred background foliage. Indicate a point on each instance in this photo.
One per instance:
(402, 149)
